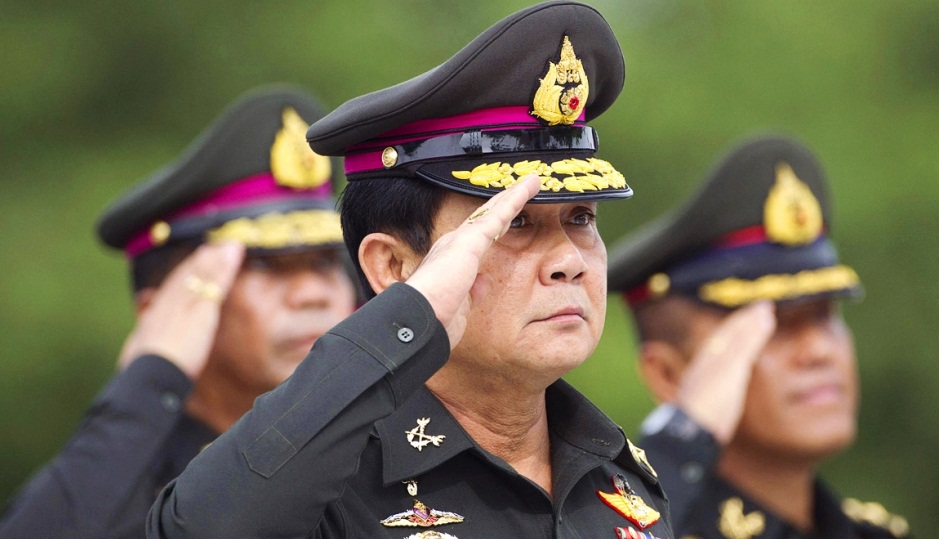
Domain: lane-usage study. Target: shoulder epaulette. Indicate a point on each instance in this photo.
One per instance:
(875, 514)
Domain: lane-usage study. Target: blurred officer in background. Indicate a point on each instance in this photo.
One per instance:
(439, 411)
(238, 267)
(735, 296)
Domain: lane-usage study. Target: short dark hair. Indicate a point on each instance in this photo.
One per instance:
(149, 269)
(402, 206)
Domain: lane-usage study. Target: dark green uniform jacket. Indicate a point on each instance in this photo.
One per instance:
(134, 440)
(328, 454)
(705, 507)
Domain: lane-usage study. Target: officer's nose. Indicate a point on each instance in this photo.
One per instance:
(309, 289)
(817, 343)
(564, 261)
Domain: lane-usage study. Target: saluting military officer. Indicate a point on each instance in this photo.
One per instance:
(238, 266)
(735, 296)
(437, 409)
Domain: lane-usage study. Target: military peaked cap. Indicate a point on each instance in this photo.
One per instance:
(758, 228)
(249, 177)
(514, 101)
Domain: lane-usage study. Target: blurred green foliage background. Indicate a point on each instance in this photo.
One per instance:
(95, 95)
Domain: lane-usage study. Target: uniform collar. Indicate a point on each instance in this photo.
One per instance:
(577, 421)
(572, 419)
(829, 516)
(830, 520)
(401, 460)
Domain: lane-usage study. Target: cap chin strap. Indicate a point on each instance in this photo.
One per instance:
(479, 142)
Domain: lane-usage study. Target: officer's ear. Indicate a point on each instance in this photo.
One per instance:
(386, 260)
(662, 365)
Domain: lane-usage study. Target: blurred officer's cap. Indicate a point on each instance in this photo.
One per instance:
(758, 228)
(249, 177)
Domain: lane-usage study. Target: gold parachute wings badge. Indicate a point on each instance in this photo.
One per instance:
(293, 163)
(421, 516)
(431, 534)
(562, 94)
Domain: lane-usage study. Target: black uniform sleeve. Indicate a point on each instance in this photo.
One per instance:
(276, 470)
(684, 455)
(83, 491)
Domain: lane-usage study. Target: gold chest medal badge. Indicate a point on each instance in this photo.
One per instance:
(734, 524)
(628, 504)
(633, 533)
(422, 516)
(431, 534)
(293, 163)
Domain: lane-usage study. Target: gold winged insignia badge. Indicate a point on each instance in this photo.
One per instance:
(628, 504)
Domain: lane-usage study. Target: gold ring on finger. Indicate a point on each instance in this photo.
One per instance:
(717, 346)
(476, 215)
(204, 289)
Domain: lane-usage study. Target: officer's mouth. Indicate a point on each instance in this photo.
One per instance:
(821, 394)
(564, 315)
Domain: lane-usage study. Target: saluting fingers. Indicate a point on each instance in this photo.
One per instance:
(178, 320)
(449, 270)
(497, 213)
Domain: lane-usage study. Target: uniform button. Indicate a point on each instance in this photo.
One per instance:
(692, 472)
(405, 335)
(170, 402)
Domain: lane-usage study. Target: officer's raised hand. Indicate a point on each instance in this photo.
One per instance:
(448, 274)
(714, 386)
(179, 319)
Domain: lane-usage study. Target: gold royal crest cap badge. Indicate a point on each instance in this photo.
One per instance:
(562, 94)
(293, 163)
(792, 214)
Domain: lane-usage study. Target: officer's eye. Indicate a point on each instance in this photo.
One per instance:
(325, 261)
(319, 261)
(258, 263)
(519, 221)
(584, 218)
(823, 311)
